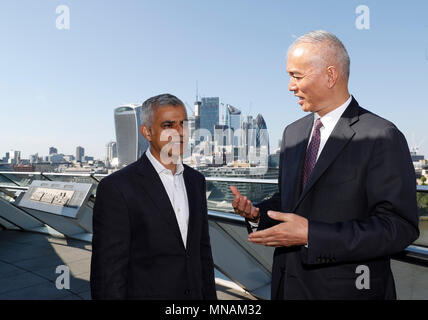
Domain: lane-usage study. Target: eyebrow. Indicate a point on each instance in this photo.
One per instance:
(168, 122)
(171, 121)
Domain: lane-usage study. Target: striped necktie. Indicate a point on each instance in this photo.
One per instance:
(312, 152)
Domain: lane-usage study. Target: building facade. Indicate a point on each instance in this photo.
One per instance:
(209, 113)
(130, 143)
(80, 153)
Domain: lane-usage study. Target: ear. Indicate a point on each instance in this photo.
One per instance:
(146, 132)
(332, 76)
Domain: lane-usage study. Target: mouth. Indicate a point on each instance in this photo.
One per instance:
(301, 100)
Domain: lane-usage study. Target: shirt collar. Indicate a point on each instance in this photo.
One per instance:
(159, 167)
(333, 117)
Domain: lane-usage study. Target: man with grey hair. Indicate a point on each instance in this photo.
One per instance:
(347, 196)
(150, 223)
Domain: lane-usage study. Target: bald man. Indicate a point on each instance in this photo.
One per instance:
(347, 196)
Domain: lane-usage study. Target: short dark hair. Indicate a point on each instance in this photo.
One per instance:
(148, 107)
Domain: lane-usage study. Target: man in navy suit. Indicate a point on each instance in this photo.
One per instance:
(347, 187)
(150, 224)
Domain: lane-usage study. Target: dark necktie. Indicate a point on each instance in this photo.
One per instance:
(312, 152)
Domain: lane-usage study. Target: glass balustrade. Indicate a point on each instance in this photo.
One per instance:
(219, 196)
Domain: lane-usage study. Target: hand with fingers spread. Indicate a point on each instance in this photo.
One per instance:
(291, 232)
(244, 207)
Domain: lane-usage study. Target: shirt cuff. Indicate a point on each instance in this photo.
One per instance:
(253, 225)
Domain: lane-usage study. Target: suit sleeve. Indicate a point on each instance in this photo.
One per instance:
(110, 244)
(209, 289)
(392, 219)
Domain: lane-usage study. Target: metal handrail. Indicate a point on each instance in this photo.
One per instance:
(22, 172)
(5, 186)
(229, 217)
(245, 180)
(419, 188)
(422, 189)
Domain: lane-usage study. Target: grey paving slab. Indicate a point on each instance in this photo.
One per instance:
(23, 236)
(51, 260)
(13, 255)
(31, 259)
(225, 293)
(79, 285)
(71, 297)
(411, 280)
(19, 281)
(43, 291)
(7, 270)
(77, 269)
(54, 260)
(85, 295)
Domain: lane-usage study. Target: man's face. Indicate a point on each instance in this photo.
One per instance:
(308, 79)
(168, 134)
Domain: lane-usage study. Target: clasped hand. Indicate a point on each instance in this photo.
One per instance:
(292, 231)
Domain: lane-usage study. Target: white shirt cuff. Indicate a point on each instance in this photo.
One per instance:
(253, 225)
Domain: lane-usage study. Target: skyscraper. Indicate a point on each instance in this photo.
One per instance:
(233, 121)
(258, 152)
(111, 152)
(209, 113)
(194, 136)
(246, 138)
(130, 143)
(80, 153)
(222, 143)
(15, 157)
(34, 158)
(262, 136)
(255, 141)
(53, 150)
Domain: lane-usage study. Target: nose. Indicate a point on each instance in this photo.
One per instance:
(180, 130)
(292, 86)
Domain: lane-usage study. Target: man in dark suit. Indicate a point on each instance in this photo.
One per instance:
(347, 196)
(150, 225)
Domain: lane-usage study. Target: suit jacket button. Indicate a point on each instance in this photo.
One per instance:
(187, 291)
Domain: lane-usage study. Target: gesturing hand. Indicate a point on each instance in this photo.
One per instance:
(243, 206)
(292, 231)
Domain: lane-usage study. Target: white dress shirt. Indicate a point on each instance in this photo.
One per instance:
(176, 190)
(329, 121)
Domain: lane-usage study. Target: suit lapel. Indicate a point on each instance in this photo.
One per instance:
(193, 205)
(338, 139)
(154, 188)
(295, 156)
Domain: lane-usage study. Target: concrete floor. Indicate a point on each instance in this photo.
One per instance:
(28, 262)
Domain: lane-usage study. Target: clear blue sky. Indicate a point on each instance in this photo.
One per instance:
(59, 87)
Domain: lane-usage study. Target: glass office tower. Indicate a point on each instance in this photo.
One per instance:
(233, 121)
(130, 143)
(209, 113)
